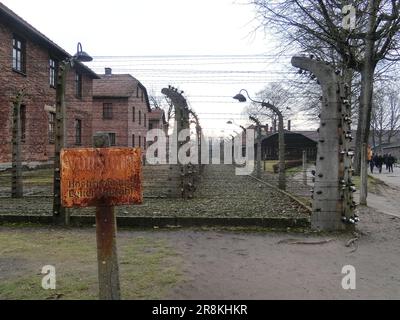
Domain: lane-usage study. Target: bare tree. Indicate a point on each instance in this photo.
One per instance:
(394, 113)
(378, 117)
(385, 122)
(316, 26)
(164, 103)
(276, 94)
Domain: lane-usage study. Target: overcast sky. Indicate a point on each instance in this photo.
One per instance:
(150, 34)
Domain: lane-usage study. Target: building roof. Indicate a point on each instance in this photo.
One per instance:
(389, 145)
(118, 86)
(11, 18)
(269, 136)
(313, 135)
(157, 114)
(392, 146)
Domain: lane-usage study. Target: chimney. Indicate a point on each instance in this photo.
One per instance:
(108, 71)
(289, 125)
(266, 128)
(274, 125)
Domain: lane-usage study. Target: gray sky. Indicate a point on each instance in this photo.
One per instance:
(190, 44)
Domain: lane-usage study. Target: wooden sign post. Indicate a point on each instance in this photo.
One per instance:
(102, 177)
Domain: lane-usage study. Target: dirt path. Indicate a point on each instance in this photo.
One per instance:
(259, 266)
(215, 264)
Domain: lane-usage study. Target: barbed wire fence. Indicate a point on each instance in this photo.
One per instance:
(155, 72)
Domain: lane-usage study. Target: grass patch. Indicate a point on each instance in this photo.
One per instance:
(268, 165)
(373, 183)
(40, 177)
(148, 267)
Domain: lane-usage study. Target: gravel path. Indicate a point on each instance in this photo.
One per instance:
(221, 194)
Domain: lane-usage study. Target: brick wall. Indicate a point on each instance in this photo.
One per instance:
(119, 122)
(134, 127)
(39, 94)
(79, 108)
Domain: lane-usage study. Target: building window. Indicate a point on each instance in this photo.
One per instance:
(107, 111)
(150, 126)
(133, 140)
(133, 114)
(52, 124)
(19, 54)
(112, 139)
(78, 85)
(144, 143)
(145, 120)
(140, 141)
(137, 92)
(22, 115)
(141, 95)
(140, 117)
(53, 73)
(78, 132)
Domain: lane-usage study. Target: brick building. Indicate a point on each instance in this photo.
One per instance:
(157, 120)
(121, 108)
(29, 62)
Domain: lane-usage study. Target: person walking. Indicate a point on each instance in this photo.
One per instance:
(375, 161)
(371, 162)
(379, 163)
(386, 161)
(390, 162)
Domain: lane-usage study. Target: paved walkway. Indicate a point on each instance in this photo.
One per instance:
(391, 179)
(386, 201)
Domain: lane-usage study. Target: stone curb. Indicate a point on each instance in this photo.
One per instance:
(150, 222)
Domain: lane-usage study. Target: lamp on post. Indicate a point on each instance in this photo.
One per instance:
(231, 122)
(281, 145)
(60, 128)
(258, 126)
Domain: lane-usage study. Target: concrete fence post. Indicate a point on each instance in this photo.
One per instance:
(333, 189)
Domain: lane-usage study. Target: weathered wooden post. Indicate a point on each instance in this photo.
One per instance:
(17, 190)
(106, 230)
(59, 212)
(102, 177)
(305, 167)
(333, 189)
(364, 176)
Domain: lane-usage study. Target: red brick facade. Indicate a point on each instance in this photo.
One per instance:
(117, 104)
(40, 96)
(128, 101)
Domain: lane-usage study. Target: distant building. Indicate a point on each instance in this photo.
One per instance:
(157, 120)
(393, 149)
(295, 144)
(29, 61)
(388, 148)
(121, 108)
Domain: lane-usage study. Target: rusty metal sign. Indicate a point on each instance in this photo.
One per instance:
(101, 177)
